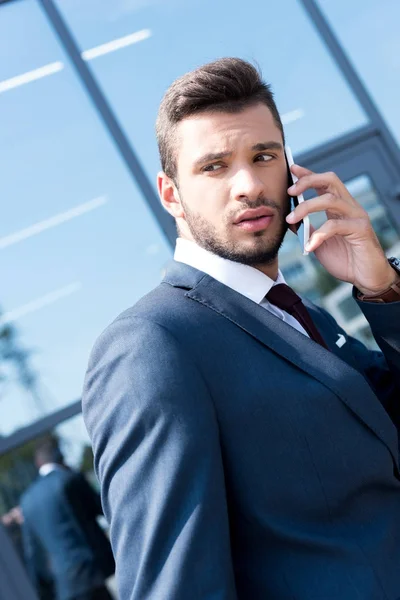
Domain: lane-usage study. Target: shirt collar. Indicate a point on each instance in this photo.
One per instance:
(48, 468)
(246, 280)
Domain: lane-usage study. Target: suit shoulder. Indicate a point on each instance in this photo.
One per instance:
(166, 307)
(35, 490)
(160, 304)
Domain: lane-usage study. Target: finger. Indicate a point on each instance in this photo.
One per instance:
(321, 182)
(346, 227)
(337, 207)
(300, 171)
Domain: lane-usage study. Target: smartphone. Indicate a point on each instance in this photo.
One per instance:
(303, 227)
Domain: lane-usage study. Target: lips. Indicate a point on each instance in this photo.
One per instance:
(254, 214)
(254, 221)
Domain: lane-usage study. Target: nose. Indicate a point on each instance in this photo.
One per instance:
(247, 185)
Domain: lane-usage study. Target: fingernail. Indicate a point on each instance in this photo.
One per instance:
(290, 218)
(292, 188)
(307, 246)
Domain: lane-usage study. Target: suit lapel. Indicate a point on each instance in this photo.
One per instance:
(331, 334)
(325, 366)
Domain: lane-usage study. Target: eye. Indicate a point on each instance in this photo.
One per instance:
(263, 158)
(212, 168)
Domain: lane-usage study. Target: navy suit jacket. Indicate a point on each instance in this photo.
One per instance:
(61, 536)
(240, 460)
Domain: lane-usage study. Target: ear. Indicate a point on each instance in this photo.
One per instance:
(169, 195)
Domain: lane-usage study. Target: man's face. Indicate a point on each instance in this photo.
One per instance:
(232, 184)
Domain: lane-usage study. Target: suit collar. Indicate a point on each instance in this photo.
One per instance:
(181, 275)
(325, 366)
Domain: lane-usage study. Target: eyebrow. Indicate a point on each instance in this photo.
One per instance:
(210, 156)
(267, 146)
(260, 147)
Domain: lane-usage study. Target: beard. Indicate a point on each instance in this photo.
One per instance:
(264, 249)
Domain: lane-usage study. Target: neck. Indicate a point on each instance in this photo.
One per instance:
(271, 269)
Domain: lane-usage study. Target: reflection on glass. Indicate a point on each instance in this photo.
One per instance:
(311, 279)
(178, 36)
(361, 189)
(17, 470)
(369, 32)
(78, 244)
(17, 473)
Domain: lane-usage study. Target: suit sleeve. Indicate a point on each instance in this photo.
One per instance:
(28, 544)
(383, 369)
(158, 458)
(384, 320)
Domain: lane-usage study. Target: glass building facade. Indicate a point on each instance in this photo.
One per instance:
(82, 234)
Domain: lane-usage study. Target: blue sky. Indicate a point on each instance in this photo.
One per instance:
(96, 248)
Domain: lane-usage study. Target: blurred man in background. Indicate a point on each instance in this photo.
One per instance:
(61, 536)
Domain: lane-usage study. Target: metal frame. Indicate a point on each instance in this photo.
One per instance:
(40, 427)
(351, 76)
(367, 157)
(110, 120)
(338, 144)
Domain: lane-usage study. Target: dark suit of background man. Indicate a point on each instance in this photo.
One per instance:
(60, 532)
(242, 452)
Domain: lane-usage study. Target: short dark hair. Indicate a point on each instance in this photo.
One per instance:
(225, 85)
(47, 450)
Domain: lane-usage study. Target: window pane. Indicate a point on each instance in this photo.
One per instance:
(78, 243)
(369, 32)
(136, 49)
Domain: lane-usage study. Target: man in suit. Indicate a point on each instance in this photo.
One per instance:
(61, 537)
(242, 454)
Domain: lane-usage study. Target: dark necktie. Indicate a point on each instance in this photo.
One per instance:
(286, 299)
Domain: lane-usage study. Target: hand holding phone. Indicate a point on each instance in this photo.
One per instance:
(303, 227)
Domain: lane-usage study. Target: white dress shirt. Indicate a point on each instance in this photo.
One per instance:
(248, 281)
(48, 468)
